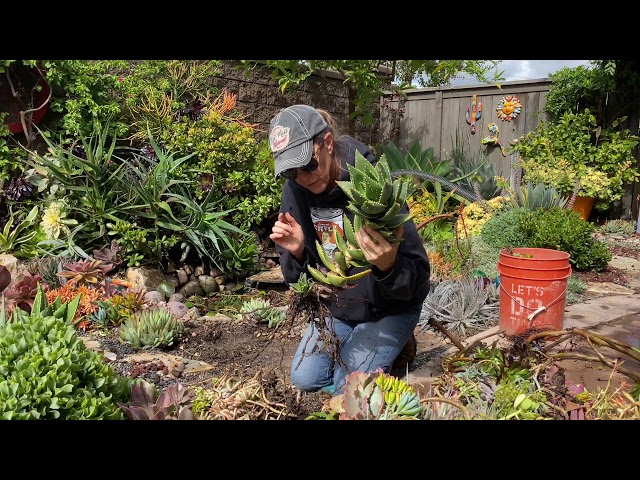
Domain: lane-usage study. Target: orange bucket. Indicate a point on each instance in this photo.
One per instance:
(533, 290)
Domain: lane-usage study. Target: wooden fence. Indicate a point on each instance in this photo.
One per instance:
(437, 118)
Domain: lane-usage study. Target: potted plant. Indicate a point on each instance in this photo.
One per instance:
(574, 155)
(24, 95)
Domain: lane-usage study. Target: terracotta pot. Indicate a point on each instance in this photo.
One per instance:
(583, 206)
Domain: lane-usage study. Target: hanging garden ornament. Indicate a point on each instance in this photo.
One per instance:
(509, 108)
(472, 116)
(494, 138)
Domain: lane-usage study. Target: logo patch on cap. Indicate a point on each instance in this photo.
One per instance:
(279, 138)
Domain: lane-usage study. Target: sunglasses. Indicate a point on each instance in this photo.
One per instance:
(292, 173)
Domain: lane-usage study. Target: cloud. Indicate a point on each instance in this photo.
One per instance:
(526, 70)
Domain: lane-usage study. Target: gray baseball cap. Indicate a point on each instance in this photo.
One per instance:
(291, 136)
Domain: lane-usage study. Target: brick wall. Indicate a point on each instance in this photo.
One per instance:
(260, 98)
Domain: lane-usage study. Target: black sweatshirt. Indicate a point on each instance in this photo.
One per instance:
(377, 294)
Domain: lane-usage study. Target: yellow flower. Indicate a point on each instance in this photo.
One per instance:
(54, 221)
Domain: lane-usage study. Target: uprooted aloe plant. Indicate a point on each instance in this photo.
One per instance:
(174, 403)
(375, 199)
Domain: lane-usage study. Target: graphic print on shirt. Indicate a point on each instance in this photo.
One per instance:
(324, 219)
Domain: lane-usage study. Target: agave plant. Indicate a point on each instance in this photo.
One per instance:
(375, 199)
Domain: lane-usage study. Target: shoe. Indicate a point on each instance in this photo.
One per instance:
(407, 354)
(330, 389)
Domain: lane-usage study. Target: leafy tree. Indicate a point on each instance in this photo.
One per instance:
(366, 83)
(595, 87)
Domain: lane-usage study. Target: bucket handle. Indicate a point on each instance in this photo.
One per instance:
(539, 310)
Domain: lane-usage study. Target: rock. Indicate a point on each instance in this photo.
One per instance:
(208, 284)
(172, 279)
(218, 317)
(10, 263)
(271, 276)
(198, 271)
(154, 297)
(192, 287)
(215, 272)
(183, 276)
(176, 297)
(145, 277)
(178, 309)
(191, 314)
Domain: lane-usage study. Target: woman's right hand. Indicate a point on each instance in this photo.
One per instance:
(287, 233)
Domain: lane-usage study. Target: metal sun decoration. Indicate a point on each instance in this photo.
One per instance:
(509, 108)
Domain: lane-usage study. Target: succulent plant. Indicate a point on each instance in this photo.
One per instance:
(174, 403)
(262, 311)
(304, 285)
(18, 189)
(5, 277)
(365, 398)
(153, 327)
(21, 293)
(85, 271)
(375, 199)
(109, 254)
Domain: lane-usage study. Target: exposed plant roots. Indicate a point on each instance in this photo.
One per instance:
(310, 309)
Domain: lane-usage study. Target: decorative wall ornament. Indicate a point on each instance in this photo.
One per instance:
(474, 114)
(509, 108)
(493, 138)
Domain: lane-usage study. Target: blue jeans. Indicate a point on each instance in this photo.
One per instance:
(362, 347)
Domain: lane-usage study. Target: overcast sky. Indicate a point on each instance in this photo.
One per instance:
(526, 69)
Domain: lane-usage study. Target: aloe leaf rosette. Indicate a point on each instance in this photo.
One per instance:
(376, 200)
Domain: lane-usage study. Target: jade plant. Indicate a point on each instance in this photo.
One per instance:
(576, 154)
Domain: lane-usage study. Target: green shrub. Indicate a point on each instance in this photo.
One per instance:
(565, 230)
(485, 257)
(503, 229)
(238, 168)
(48, 373)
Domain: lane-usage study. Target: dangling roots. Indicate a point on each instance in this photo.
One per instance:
(309, 309)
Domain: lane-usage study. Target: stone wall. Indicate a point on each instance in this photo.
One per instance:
(260, 98)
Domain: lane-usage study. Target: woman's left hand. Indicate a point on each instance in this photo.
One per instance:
(376, 249)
